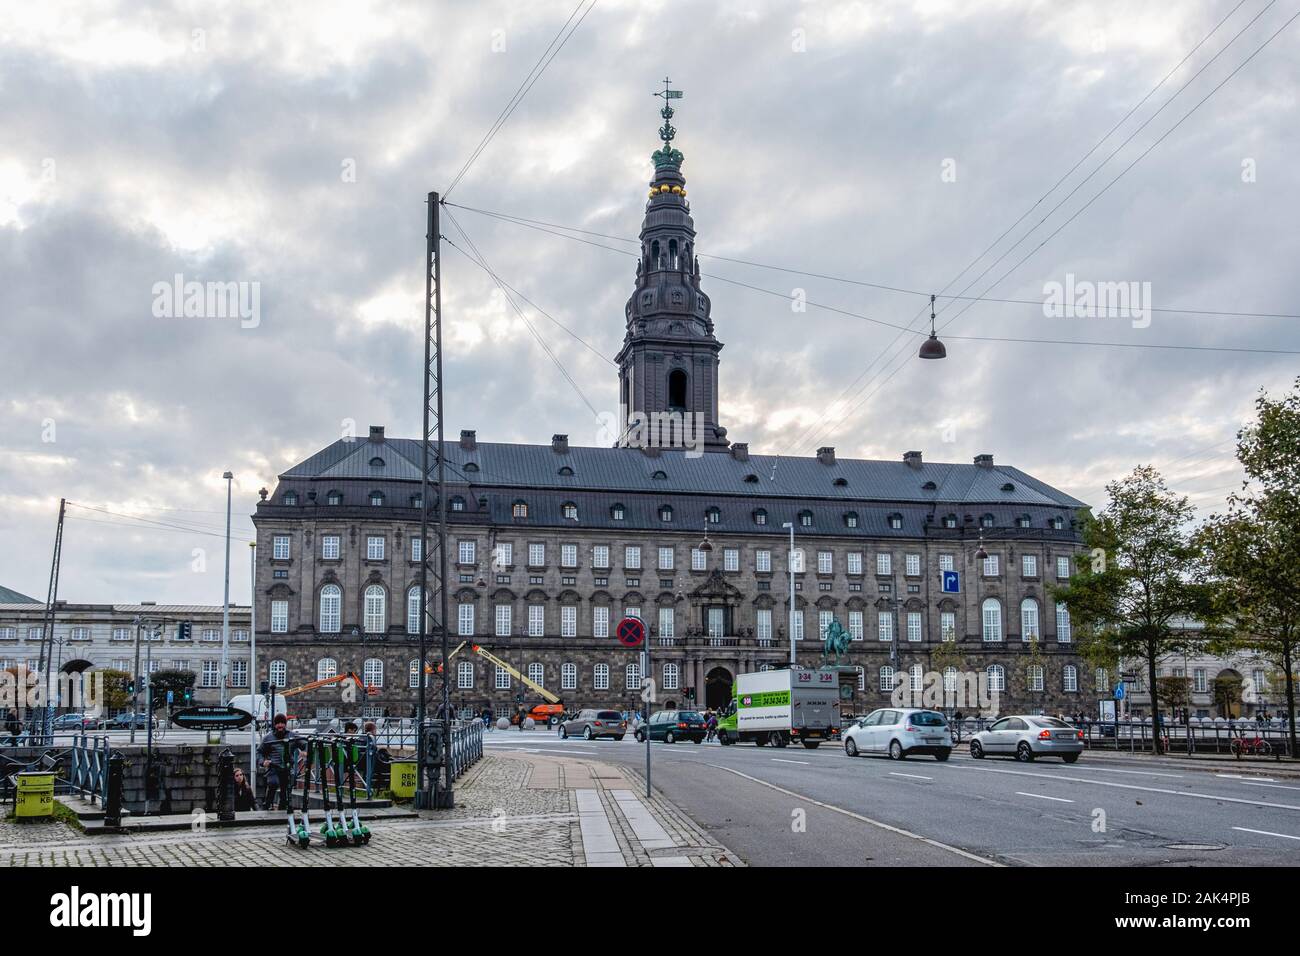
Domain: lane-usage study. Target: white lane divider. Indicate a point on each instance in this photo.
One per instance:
(1237, 776)
(1284, 836)
(1042, 796)
(914, 776)
(803, 763)
(1143, 773)
(1271, 786)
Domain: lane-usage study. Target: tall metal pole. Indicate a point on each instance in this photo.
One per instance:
(225, 604)
(135, 677)
(252, 663)
(790, 562)
(42, 716)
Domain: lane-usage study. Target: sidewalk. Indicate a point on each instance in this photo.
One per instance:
(512, 810)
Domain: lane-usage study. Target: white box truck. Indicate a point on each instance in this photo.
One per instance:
(778, 706)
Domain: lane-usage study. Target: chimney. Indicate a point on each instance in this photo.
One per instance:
(376, 432)
(912, 459)
(468, 441)
(740, 451)
(984, 461)
(826, 455)
(560, 444)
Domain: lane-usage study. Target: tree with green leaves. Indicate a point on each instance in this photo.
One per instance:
(1254, 549)
(177, 681)
(1144, 582)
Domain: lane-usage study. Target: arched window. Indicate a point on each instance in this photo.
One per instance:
(886, 678)
(986, 521)
(569, 510)
(992, 621)
(950, 679)
(377, 499)
(290, 498)
(519, 509)
(916, 675)
(850, 519)
(568, 676)
(413, 673)
(616, 512)
(806, 519)
(633, 675)
(376, 616)
(465, 675)
(334, 498)
(278, 673)
(1034, 677)
(713, 516)
(331, 605)
(1029, 620)
(760, 516)
(666, 513)
(327, 667)
(600, 677)
(1070, 678)
(372, 672)
(997, 677)
(537, 674)
(376, 462)
(565, 471)
(457, 503)
(413, 610)
(677, 390)
(670, 676)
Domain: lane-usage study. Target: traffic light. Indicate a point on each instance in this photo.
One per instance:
(130, 688)
(184, 630)
(189, 694)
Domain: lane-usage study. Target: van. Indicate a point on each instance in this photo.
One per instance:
(259, 706)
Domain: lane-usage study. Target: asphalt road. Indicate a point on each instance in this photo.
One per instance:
(822, 808)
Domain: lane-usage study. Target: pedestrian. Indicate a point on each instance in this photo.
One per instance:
(279, 756)
(13, 724)
(523, 715)
(244, 798)
(711, 725)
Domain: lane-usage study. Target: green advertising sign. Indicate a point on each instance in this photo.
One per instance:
(771, 698)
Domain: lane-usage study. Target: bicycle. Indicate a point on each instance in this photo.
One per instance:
(1249, 746)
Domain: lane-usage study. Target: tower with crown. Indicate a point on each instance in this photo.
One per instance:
(668, 365)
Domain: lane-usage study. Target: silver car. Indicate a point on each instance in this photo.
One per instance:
(899, 732)
(590, 724)
(1025, 737)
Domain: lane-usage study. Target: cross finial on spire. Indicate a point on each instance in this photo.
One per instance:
(667, 155)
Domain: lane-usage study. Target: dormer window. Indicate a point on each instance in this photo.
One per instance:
(1057, 524)
(290, 498)
(929, 486)
(760, 516)
(519, 509)
(851, 519)
(1023, 521)
(751, 479)
(840, 482)
(417, 501)
(1008, 487)
(457, 503)
(376, 462)
(616, 512)
(986, 521)
(950, 521)
(660, 476)
(805, 519)
(334, 498)
(566, 472)
(713, 516)
(896, 521)
(569, 510)
(666, 513)
(377, 499)
(471, 467)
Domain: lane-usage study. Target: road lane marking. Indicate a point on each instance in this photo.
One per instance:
(1237, 776)
(1285, 836)
(1043, 796)
(783, 760)
(1145, 773)
(859, 817)
(914, 776)
(1133, 786)
(1271, 786)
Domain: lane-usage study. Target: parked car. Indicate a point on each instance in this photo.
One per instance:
(900, 732)
(590, 724)
(1026, 736)
(125, 721)
(671, 726)
(77, 722)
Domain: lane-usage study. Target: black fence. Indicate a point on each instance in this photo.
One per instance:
(1238, 738)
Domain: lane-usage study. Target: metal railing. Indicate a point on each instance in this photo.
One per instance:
(88, 766)
(1239, 738)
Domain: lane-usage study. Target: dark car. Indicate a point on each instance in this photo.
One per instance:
(67, 722)
(671, 726)
(126, 721)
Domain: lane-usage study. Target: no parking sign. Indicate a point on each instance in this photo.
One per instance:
(630, 631)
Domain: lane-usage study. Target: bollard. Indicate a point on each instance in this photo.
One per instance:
(113, 799)
(226, 786)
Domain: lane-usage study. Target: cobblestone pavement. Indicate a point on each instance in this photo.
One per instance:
(512, 810)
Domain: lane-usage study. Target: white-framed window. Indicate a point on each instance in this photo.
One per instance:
(825, 562)
(991, 566)
(1029, 565)
(331, 609)
(665, 559)
(413, 673)
(502, 620)
(1070, 678)
(600, 677)
(731, 559)
(327, 667)
(119, 633)
(374, 547)
(1029, 620)
(211, 674)
(568, 676)
(570, 511)
(632, 674)
(914, 626)
(568, 555)
(672, 676)
(699, 560)
(797, 561)
(948, 625)
(280, 547)
(519, 509)
(854, 562)
(1034, 676)
(503, 556)
(278, 673)
(992, 615)
(763, 621)
(666, 622)
(856, 626)
(465, 620)
(466, 552)
(238, 636)
(632, 612)
(885, 625)
(632, 557)
(862, 677)
(568, 620)
(884, 563)
(600, 621)
(413, 610)
(916, 677)
(798, 625)
(997, 677)
(536, 620)
(824, 619)
(417, 549)
(211, 635)
(279, 617)
(537, 673)
(238, 672)
(1063, 623)
(79, 634)
(945, 562)
(376, 616)
(1062, 567)
(949, 679)
(465, 675)
(537, 555)
(600, 556)
(886, 679)
(501, 678)
(912, 566)
(329, 547)
(1260, 679)
(372, 672)
(762, 560)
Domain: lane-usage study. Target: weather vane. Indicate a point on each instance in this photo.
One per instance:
(667, 156)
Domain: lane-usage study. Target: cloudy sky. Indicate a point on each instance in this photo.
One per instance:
(291, 146)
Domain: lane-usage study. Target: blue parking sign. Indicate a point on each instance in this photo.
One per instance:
(1119, 690)
(951, 582)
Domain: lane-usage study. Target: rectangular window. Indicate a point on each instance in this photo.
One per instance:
(600, 556)
(666, 622)
(913, 568)
(1029, 565)
(329, 547)
(1071, 679)
(855, 562)
(536, 555)
(239, 673)
(211, 634)
(279, 617)
(374, 548)
(1198, 680)
(464, 675)
(569, 621)
(665, 559)
(945, 562)
(991, 566)
(536, 620)
(948, 626)
(211, 674)
(825, 562)
(280, 547)
(731, 559)
(856, 626)
(764, 628)
(914, 626)
(600, 677)
(699, 560)
(798, 625)
(465, 620)
(992, 622)
(569, 677)
(1062, 623)
(796, 561)
(884, 564)
(502, 681)
(632, 612)
(502, 620)
(824, 619)
(885, 625)
(1063, 567)
(504, 556)
(121, 633)
(632, 557)
(568, 555)
(762, 561)
(600, 621)
(417, 549)
(466, 552)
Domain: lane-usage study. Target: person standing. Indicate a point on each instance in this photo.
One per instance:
(279, 756)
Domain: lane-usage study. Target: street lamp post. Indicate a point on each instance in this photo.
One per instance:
(790, 566)
(252, 665)
(225, 603)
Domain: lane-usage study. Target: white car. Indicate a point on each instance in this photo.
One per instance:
(1026, 736)
(900, 732)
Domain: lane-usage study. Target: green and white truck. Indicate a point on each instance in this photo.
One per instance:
(779, 706)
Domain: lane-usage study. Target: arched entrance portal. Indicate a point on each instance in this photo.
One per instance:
(717, 688)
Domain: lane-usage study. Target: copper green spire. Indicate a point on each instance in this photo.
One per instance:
(667, 156)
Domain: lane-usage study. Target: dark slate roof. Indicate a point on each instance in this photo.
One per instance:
(501, 465)
(9, 596)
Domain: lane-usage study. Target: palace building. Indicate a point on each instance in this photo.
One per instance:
(550, 545)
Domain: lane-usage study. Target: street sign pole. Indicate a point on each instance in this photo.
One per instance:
(649, 700)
